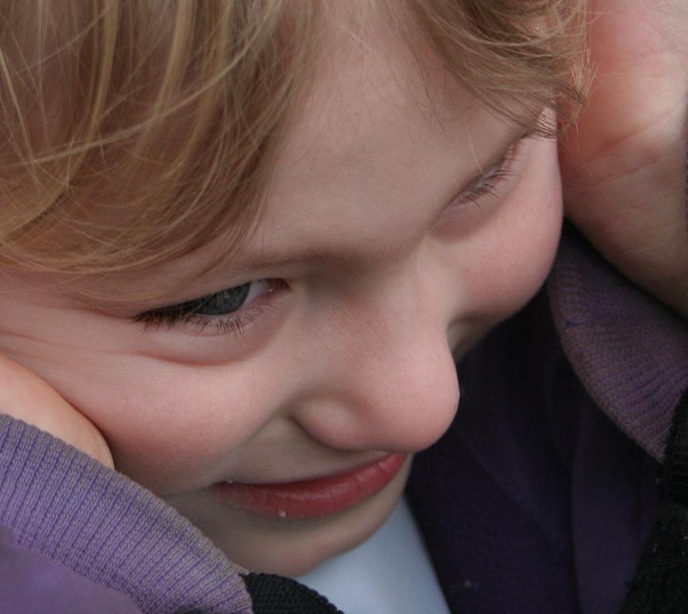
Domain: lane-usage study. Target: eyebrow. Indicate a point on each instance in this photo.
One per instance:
(291, 257)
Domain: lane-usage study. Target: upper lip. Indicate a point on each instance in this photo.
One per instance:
(307, 477)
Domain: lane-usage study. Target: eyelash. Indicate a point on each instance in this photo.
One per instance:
(235, 322)
(488, 184)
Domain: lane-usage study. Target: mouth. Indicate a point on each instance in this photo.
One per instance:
(316, 498)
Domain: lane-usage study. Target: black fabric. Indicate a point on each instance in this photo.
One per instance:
(273, 594)
(494, 549)
(661, 582)
(676, 456)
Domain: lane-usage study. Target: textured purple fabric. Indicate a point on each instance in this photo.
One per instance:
(34, 584)
(629, 350)
(62, 505)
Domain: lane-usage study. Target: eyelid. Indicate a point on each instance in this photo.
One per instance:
(488, 180)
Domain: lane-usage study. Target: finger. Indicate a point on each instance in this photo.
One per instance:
(26, 396)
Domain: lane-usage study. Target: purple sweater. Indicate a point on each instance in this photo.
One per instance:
(77, 537)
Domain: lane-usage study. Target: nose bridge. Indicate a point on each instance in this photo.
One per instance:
(408, 386)
(391, 381)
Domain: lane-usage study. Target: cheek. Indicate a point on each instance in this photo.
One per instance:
(514, 254)
(170, 427)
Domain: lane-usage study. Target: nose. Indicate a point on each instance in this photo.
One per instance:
(391, 386)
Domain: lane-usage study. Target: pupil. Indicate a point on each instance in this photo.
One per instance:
(223, 302)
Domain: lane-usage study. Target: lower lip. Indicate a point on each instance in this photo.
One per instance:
(312, 498)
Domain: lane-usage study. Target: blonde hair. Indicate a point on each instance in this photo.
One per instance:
(136, 131)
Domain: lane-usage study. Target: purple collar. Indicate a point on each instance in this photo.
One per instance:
(630, 351)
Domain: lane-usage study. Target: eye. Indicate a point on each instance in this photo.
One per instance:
(220, 303)
(242, 303)
(229, 300)
(489, 184)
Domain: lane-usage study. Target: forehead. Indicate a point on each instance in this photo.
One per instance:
(372, 150)
(372, 153)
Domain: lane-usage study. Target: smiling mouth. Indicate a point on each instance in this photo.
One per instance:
(317, 498)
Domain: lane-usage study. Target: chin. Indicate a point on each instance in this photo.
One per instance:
(291, 547)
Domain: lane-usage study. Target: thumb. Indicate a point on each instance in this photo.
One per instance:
(26, 396)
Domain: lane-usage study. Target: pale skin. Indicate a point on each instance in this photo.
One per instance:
(624, 172)
(354, 356)
(624, 165)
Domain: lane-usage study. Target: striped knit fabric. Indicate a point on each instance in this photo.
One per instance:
(610, 329)
(60, 503)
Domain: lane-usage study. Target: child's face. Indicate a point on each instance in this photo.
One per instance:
(385, 273)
